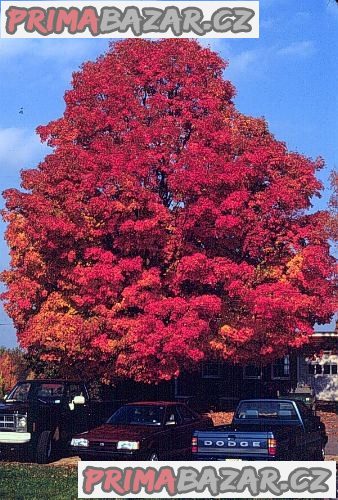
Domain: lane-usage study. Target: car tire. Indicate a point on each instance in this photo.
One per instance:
(44, 448)
(153, 456)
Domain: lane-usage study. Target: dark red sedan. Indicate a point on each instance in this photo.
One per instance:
(142, 431)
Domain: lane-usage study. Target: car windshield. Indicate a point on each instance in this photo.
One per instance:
(46, 392)
(138, 415)
(19, 393)
(266, 409)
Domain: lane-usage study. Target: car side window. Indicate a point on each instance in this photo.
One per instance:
(74, 390)
(172, 416)
(187, 415)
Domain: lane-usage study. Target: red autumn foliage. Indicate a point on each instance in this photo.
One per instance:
(165, 227)
(12, 368)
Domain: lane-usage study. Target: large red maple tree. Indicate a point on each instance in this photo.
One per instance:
(165, 227)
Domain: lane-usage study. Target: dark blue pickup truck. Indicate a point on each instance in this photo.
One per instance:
(264, 429)
(39, 417)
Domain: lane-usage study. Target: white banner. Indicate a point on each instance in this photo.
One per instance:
(140, 19)
(194, 479)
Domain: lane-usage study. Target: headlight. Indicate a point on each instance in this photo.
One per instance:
(79, 442)
(22, 424)
(128, 445)
(307, 399)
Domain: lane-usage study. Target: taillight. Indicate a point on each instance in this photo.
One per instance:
(194, 445)
(272, 447)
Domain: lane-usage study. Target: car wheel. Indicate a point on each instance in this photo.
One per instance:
(44, 448)
(153, 456)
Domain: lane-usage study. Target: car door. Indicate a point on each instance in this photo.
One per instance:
(77, 414)
(172, 437)
(189, 423)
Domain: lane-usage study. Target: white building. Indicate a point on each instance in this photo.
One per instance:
(320, 370)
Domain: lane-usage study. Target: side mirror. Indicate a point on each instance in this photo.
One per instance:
(79, 400)
(5, 396)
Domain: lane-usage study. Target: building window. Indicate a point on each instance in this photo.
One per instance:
(311, 369)
(315, 369)
(252, 372)
(280, 369)
(326, 369)
(211, 369)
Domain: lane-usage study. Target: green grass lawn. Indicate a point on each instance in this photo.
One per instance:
(36, 482)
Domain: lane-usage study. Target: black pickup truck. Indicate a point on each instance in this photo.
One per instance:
(264, 429)
(39, 417)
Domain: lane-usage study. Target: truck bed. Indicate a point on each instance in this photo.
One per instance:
(263, 430)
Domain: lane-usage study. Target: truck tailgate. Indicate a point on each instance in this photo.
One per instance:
(220, 445)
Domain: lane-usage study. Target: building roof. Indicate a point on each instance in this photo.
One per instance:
(325, 334)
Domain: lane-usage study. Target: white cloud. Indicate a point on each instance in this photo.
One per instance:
(303, 15)
(18, 148)
(60, 50)
(257, 60)
(305, 48)
(67, 49)
(12, 48)
(332, 8)
(240, 62)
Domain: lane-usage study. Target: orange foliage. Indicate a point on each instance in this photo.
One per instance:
(12, 368)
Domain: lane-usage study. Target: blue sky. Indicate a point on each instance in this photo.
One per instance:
(289, 75)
